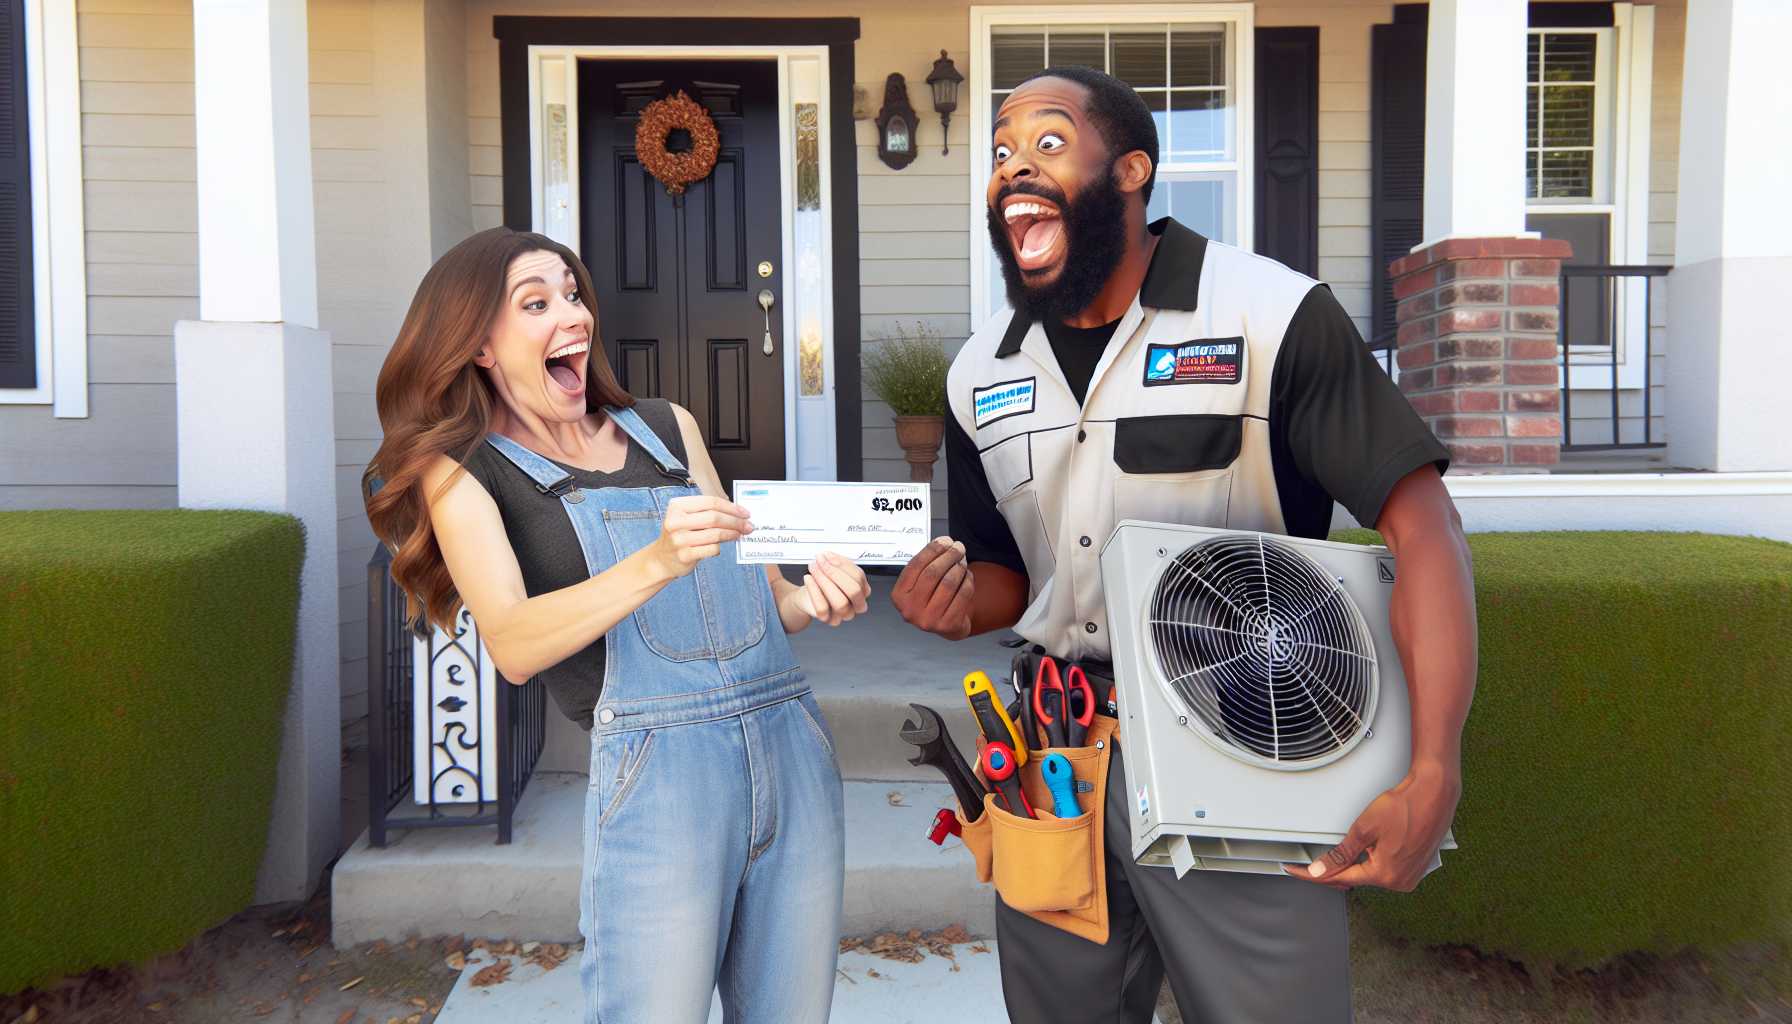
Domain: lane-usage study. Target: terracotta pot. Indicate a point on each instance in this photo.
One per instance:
(920, 438)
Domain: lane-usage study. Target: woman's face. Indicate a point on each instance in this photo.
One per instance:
(541, 341)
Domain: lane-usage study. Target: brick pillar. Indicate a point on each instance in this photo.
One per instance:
(1477, 349)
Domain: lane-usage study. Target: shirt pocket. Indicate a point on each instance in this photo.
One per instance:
(1008, 465)
(1176, 469)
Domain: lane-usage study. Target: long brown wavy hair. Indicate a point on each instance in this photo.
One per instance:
(433, 400)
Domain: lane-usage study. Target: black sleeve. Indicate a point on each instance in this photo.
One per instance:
(1339, 427)
(972, 516)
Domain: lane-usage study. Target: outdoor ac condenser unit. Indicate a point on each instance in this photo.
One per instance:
(1262, 699)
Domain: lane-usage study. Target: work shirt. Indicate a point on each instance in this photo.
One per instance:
(1235, 392)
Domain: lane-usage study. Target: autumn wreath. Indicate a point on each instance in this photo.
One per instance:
(659, 119)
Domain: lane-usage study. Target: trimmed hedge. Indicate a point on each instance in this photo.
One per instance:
(147, 660)
(1627, 763)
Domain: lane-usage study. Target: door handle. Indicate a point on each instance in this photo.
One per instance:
(766, 301)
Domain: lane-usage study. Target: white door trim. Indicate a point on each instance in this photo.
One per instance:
(821, 415)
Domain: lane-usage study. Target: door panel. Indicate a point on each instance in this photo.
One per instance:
(676, 279)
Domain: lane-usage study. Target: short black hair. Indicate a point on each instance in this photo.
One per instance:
(1118, 113)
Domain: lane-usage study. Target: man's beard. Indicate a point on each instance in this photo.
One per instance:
(1094, 242)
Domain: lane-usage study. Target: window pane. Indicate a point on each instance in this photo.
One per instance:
(1204, 204)
(1530, 117)
(1137, 56)
(1530, 175)
(1567, 174)
(1078, 46)
(1588, 318)
(1532, 49)
(1013, 56)
(1569, 57)
(1198, 56)
(1198, 124)
(1567, 115)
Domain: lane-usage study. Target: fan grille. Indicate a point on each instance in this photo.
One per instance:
(1265, 649)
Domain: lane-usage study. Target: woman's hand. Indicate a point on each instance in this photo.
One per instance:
(833, 591)
(695, 528)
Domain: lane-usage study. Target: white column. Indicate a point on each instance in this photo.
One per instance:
(1474, 120)
(1727, 338)
(254, 409)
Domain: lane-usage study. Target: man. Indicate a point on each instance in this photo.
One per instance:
(1149, 373)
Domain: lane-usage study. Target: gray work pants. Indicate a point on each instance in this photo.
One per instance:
(1239, 948)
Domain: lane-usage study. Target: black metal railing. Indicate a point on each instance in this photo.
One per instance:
(520, 714)
(1609, 287)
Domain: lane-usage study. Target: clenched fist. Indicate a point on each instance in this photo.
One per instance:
(935, 589)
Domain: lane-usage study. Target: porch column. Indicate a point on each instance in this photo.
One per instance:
(254, 415)
(1733, 242)
(1474, 120)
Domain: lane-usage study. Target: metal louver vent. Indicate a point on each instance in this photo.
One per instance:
(1264, 649)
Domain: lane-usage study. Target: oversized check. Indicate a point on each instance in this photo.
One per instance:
(870, 523)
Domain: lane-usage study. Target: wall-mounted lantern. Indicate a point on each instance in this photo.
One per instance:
(896, 124)
(945, 79)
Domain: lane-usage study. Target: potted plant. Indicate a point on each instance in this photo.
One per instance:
(907, 372)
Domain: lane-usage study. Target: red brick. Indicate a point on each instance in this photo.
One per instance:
(1532, 321)
(1474, 292)
(1413, 284)
(1469, 426)
(1536, 295)
(1478, 401)
(1533, 426)
(1536, 454)
(1534, 401)
(1463, 321)
(1533, 374)
(1470, 348)
(1413, 381)
(1438, 402)
(1414, 331)
(1415, 307)
(1458, 374)
(1465, 269)
(1523, 349)
(1537, 268)
(1477, 454)
(1411, 357)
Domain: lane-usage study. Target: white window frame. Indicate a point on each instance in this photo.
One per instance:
(59, 235)
(1622, 104)
(987, 296)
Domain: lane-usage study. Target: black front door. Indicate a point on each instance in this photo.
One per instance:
(678, 278)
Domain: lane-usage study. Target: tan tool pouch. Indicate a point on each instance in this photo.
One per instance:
(1049, 868)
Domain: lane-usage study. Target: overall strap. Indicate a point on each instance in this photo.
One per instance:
(549, 478)
(637, 429)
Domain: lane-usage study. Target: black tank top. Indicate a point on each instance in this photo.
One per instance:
(547, 549)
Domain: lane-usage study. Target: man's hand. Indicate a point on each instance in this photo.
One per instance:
(1394, 837)
(935, 590)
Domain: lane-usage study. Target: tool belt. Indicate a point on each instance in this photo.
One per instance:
(1053, 869)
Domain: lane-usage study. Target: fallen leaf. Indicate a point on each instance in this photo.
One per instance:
(346, 1017)
(435, 1008)
(415, 1018)
(28, 1017)
(379, 948)
(529, 948)
(979, 948)
(351, 984)
(303, 978)
(411, 945)
(896, 799)
(263, 1010)
(872, 971)
(309, 950)
(457, 960)
(508, 948)
(419, 1002)
(492, 974)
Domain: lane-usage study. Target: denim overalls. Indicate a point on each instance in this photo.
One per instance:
(714, 836)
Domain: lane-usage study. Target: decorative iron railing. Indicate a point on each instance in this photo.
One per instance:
(444, 731)
(1593, 333)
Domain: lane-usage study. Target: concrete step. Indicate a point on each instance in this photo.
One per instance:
(454, 881)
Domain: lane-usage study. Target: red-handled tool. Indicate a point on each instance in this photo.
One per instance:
(1079, 703)
(945, 823)
(1063, 704)
(999, 768)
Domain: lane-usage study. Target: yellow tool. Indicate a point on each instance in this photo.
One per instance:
(992, 717)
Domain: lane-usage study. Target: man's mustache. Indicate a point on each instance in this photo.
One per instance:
(1029, 188)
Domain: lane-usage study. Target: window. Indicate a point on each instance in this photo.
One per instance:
(1185, 61)
(1586, 177)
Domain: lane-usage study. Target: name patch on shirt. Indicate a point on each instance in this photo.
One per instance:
(1000, 401)
(1205, 361)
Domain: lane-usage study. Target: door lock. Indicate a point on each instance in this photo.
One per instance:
(766, 300)
(765, 268)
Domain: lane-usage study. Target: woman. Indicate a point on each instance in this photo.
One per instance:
(589, 538)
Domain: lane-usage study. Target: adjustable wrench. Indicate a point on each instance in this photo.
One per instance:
(934, 746)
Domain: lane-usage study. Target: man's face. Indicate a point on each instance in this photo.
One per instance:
(1056, 213)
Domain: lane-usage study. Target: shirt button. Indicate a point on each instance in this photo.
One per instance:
(606, 716)
(1081, 436)
(1088, 627)
(1084, 541)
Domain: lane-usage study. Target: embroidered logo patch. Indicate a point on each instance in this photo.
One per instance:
(1206, 361)
(1000, 401)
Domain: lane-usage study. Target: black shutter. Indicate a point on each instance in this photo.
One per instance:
(1397, 140)
(18, 333)
(1287, 176)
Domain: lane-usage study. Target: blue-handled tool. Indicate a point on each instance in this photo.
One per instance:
(1061, 781)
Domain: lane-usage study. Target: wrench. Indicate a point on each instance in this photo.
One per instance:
(934, 746)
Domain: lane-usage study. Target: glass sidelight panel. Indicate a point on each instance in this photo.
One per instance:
(555, 211)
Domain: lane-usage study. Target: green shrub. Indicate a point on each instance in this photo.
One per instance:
(147, 660)
(908, 372)
(1627, 766)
